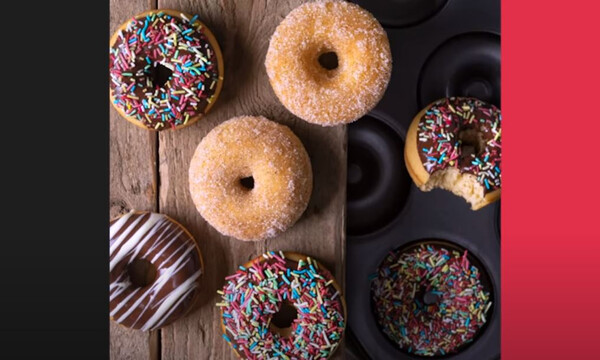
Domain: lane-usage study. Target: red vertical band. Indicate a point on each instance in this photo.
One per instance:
(551, 179)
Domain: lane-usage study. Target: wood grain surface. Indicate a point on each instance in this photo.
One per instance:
(243, 29)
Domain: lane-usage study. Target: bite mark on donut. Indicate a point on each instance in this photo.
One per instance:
(459, 143)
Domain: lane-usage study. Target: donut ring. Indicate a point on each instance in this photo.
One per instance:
(149, 300)
(142, 52)
(255, 148)
(314, 93)
(456, 144)
(259, 291)
(429, 299)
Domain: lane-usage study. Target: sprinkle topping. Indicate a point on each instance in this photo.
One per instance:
(464, 133)
(429, 300)
(163, 70)
(253, 295)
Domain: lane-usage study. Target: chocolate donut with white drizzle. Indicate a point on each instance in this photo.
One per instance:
(155, 267)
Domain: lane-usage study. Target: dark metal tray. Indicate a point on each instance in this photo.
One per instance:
(440, 48)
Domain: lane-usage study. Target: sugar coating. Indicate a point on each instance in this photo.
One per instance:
(318, 95)
(276, 159)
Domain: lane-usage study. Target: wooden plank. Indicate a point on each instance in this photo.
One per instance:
(133, 185)
(243, 29)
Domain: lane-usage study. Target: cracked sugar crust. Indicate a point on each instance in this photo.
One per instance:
(270, 153)
(313, 93)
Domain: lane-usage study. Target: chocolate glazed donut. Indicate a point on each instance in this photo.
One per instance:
(166, 69)
(456, 144)
(155, 266)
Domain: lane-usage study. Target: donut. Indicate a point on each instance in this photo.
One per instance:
(155, 267)
(166, 69)
(329, 62)
(429, 300)
(282, 306)
(250, 178)
(456, 144)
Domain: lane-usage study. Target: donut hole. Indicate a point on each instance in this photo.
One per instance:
(247, 182)
(430, 297)
(160, 74)
(141, 272)
(471, 143)
(328, 60)
(282, 320)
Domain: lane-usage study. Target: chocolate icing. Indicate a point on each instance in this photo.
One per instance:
(147, 50)
(464, 133)
(167, 246)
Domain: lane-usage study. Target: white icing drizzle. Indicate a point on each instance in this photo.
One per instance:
(131, 244)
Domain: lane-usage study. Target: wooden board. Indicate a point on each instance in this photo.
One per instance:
(133, 185)
(243, 29)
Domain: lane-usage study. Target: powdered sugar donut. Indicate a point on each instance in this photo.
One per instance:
(250, 178)
(331, 91)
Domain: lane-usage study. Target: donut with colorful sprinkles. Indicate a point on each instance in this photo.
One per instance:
(166, 69)
(430, 300)
(456, 144)
(282, 305)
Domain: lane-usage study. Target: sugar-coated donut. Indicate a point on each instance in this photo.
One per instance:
(456, 144)
(318, 94)
(250, 178)
(429, 300)
(155, 266)
(166, 69)
(264, 290)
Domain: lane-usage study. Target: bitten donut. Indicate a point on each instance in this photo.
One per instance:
(329, 62)
(155, 267)
(456, 144)
(429, 300)
(282, 305)
(166, 69)
(250, 178)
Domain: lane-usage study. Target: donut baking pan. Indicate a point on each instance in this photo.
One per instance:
(440, 48)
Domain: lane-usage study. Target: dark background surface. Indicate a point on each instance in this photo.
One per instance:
(53, 257)
(440, 49)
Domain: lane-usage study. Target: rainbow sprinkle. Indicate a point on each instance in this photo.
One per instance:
(429, 300)
(150, 43)
(252, 295)
(440, 144)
